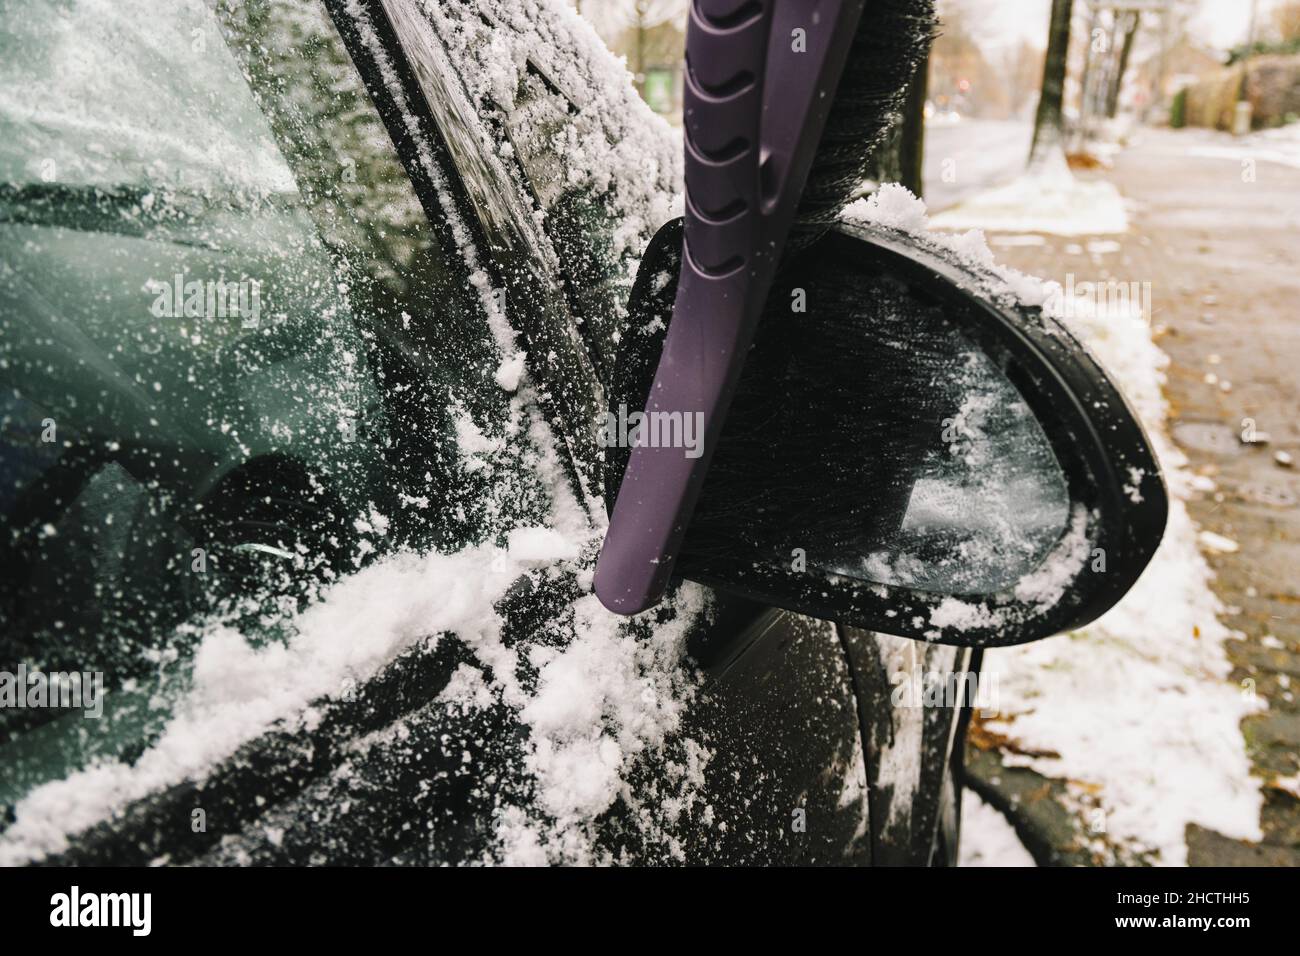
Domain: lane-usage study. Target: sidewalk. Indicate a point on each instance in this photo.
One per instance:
(1215, 235)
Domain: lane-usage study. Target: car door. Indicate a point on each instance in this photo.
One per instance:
(184, 480)
(174, 468)
(371, 413)
(560, 102)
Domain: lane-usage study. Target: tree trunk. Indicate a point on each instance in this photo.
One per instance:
(638, 77)
(1117, 84)
(1087, 81)
(911, 147)
(1049, 122)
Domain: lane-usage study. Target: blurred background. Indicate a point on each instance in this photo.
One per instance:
(1231, 65)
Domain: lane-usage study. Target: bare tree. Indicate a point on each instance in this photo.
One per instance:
(1022, 69)
(1049, 123)
(1131, 25)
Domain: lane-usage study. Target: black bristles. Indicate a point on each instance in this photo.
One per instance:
(800, 463)
(893, 36)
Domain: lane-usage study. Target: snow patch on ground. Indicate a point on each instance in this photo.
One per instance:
(1280, 146)
(987, 839)
(1048, 199)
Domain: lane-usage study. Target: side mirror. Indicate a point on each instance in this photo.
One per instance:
(906, 451)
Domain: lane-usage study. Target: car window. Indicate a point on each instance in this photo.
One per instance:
(236, 357)
(361, 410)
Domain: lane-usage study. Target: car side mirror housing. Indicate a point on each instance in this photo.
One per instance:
(909, 450)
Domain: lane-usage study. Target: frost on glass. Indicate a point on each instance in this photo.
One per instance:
(988, 500)
(604, 170)
(871, 437)
(234, 352)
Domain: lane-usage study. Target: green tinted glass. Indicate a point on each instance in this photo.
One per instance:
(235, 354)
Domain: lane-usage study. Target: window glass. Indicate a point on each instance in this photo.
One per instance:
(236, 357)
(603, 172)
(926, 468)
(578, 220)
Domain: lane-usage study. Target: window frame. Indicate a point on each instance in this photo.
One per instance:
(492, 207)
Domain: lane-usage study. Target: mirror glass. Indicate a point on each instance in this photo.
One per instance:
(872, 438)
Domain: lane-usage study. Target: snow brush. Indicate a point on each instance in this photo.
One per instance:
(777, 131)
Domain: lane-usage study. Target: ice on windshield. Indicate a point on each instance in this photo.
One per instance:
(80, 112)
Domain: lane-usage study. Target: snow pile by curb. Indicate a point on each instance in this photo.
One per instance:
(987, 839)
(1050, 199)
(1280, 145)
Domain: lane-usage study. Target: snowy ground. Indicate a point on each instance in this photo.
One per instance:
(987, 839)
(1048, 199)
(1281, 145)
(1138, 702)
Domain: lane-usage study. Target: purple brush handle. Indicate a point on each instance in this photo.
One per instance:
(755, 106)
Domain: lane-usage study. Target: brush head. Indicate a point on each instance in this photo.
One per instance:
(755, 112)
(892, 39)
(839, 488)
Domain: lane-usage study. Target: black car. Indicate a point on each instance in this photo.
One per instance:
(313, 318)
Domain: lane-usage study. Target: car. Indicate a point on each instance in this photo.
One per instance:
(312, 315)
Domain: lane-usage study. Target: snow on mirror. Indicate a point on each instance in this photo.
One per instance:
(909, 449)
